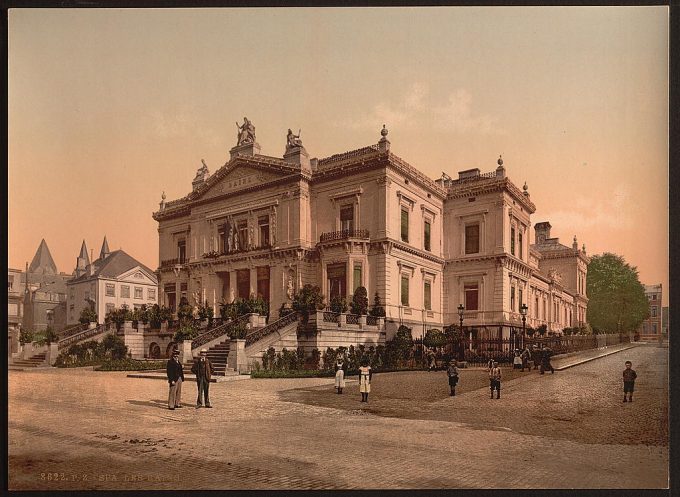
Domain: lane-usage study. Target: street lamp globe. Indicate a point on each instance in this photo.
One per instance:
(523, 310)
(461, 310)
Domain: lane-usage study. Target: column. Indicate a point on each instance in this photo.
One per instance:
(232, 285)
(253, 281)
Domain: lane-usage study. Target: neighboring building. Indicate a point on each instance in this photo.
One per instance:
(15, 307)
(665, 324)
(109, 282)
(44, 293)
(263, 225)
(652, 327)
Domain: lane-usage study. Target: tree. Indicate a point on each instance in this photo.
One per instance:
(377, 310)
(434, 338)
(308, 299)
(617, 300)
(359, 304)
(87, 315)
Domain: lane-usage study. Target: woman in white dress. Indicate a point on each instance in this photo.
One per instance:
(365, 375)
(339, 376)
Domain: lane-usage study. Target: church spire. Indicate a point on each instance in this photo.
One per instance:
(105, 249)
(42, 262)
(82, 261)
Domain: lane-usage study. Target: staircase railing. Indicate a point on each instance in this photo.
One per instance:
(80, 336)
(224, 329)
(67, 332)
(257, 335)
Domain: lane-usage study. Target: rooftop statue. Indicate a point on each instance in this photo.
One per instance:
(246, 132)
(292, 140)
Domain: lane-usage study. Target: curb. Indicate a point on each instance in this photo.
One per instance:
(214, 379)
(583, 361)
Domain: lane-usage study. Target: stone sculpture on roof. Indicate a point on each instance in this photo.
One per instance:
(246, 132)
(293, 140)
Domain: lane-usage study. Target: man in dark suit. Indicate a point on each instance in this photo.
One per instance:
(175, 378)
(202, 368)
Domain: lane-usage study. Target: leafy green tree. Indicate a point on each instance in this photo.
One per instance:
(434, 338)
(359, 304)
(377, 310)
(617, 301)
(338, 304)
(25, 336)
(308, 299)
(87, 315)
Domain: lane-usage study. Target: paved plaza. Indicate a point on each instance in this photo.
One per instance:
(82, 429)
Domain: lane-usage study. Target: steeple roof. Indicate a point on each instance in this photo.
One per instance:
(83, 253)
(42, 262)
(105, 249)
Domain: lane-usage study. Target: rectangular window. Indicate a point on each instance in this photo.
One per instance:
(357, 277)
(653, 311)
(125, 291)
(404, 224)
(519, 241)
(512, 241)
(404, 290)
(654, 297)
(10, 283)
(654, 328)
(337, 280)
(151, 294)
(520, 297)
(512, 298)
(223, 243)
(182, 251)
(347, 218)
(243, 235)
(139, 292)
(472, 239)
(263, 224)
(427, 297)
(110, 290)
(536, 309)
(471, 297)
(426, 236)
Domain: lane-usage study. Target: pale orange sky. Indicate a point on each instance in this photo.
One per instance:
(108, 108)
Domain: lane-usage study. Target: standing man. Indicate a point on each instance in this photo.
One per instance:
(175, 374)
(452, 373)
(202, 368)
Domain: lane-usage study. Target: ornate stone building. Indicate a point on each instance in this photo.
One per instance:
(263, 225)
(653, 326)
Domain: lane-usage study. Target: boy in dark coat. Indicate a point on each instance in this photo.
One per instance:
(629, 376)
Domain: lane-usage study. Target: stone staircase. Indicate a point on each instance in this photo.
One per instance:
(32, 362)
(217, 354)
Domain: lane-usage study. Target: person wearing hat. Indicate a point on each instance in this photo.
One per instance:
(202, 368)
(175, 373)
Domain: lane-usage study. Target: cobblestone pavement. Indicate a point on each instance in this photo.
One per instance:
(80, 429)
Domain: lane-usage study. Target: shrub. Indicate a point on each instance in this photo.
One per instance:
(308, 299)
(184, 311)
(25, 336)
(115, 346)
(87, 315)
(130, 365)
(542, 330)
(93, 352)
(377, 310)
(434, 338)
(205, 311)
(359, 304)
(143, 314)
(285, 311)
(186, 331)
(239, 331)
(48, 337)
(338, 304)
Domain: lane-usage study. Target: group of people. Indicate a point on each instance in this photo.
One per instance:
(202, 368)
(540, 357)
(365, 376)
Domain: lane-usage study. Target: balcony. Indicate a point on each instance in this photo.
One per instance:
(344, 235)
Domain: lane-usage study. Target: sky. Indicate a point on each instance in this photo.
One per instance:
(108, 108)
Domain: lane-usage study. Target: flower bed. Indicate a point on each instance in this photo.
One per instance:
(131, 365)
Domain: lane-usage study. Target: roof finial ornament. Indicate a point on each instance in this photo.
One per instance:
(526, 189)
(162, 204)
(575, 244)
(383, 143)
(500, 160)
(584, 248)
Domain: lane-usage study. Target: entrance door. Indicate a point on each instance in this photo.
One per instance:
(337, 280)
(263, 282)
(171, 297)
(243, 283)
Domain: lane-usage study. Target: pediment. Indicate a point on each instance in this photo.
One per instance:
(237, 178)
(136, 275)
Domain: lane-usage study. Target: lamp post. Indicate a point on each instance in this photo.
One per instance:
(461, 310)
(523, 311)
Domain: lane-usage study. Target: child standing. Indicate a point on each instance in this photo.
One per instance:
(339, 376)
(365, 380)
(629, 376)
(452, 373)
(495, 379)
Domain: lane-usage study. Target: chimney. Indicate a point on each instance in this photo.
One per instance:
(542, 231)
